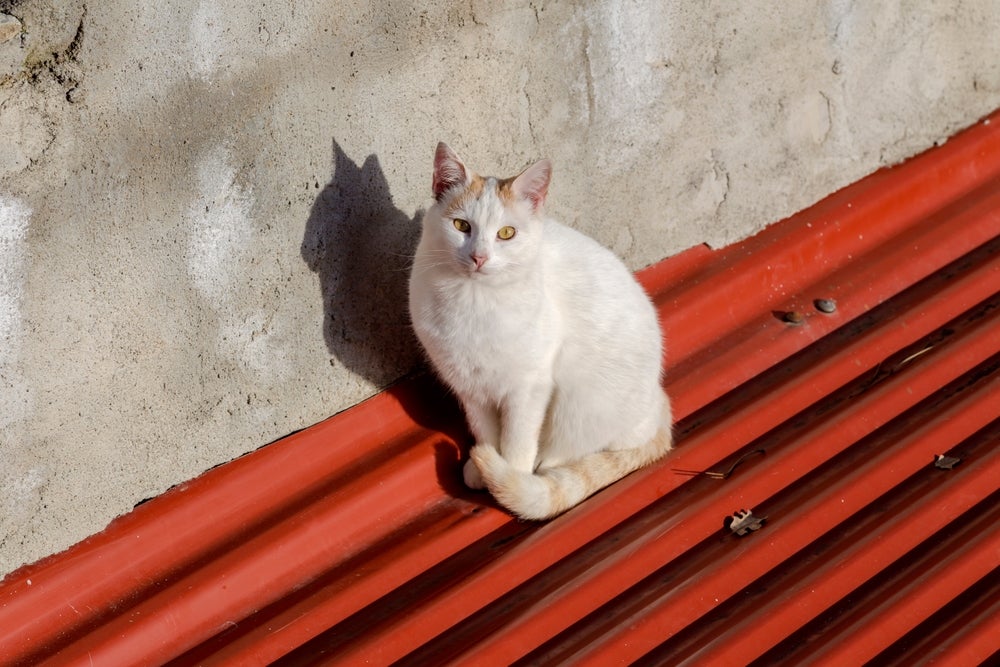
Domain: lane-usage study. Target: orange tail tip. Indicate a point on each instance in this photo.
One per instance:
(550, 492)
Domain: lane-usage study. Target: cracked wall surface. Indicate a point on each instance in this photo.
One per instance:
(207, 208)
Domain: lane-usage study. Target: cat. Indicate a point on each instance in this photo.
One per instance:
(550, 344)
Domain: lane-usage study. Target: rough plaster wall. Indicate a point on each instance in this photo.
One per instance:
(206, 208)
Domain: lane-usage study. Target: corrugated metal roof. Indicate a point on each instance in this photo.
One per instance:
(863, 444)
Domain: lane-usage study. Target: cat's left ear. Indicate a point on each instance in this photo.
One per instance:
(532, 184)
(449, 171)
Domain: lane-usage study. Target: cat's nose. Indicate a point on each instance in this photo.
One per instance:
(479, 260)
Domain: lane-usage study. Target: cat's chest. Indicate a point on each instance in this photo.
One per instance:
(487, 332)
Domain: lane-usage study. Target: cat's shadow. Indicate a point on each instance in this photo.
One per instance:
(361, 247)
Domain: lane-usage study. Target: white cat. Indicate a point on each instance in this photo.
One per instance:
(551, 345)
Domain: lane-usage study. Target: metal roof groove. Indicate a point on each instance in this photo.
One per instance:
(354, 541)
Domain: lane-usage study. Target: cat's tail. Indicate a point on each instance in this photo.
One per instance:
(551, 491)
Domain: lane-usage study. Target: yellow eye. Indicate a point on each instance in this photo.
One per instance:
(506, 233)
(462, 225)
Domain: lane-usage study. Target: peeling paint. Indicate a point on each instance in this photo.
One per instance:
(713, 189)
(206, 34)
(14, 395)
(220, 226)
(221, 259)
(20, 497)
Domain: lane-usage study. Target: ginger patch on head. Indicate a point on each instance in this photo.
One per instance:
(505, 191)
(471, 193)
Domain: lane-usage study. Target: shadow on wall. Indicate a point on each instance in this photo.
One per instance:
(362, 247)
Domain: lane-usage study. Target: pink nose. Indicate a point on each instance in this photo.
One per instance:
(479, 260)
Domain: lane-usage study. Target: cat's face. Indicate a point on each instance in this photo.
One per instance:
(485, 228)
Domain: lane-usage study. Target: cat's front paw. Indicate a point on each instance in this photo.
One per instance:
(473, 478)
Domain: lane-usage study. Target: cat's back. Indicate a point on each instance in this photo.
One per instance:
(588, 273)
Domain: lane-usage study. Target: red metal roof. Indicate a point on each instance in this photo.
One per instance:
(354, 542)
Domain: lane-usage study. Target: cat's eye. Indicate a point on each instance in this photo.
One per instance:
(506, 233)
(462, 225)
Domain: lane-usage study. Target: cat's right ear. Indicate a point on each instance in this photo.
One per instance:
(449, 171)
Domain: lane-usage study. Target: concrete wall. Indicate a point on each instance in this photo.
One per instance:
(207, 208)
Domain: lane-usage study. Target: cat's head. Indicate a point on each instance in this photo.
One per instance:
(482, 227)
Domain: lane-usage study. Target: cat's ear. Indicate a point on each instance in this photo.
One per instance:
(532, 184)
(449, 171)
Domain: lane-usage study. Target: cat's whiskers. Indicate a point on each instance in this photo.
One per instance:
(446, 258)
(421, 267)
